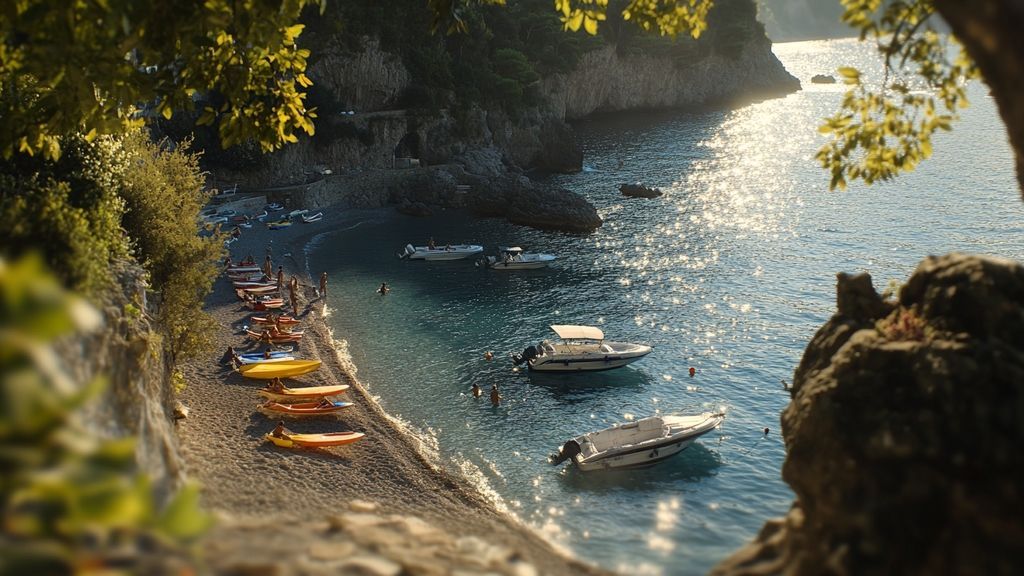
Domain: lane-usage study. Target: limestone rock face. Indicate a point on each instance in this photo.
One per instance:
(904, 432)
(605, 81)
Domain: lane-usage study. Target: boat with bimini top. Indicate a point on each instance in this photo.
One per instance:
(582, 348)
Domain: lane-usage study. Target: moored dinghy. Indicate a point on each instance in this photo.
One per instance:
(314, 218)
(448, 252)
(513, 258)
(637, 444)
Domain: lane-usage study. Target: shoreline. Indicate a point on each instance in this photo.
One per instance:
(251, 485)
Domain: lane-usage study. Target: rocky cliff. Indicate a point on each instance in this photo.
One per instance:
(368, 123)
(607, 81)
(904, 431)
(138, 398)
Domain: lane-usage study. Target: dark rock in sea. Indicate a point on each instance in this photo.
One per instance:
(525, 202)
(638, 190)
(904, 432)
(822, 79)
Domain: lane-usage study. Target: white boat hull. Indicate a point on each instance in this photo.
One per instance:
(639, 459)
(456, 252)
(637, 444)
(583, 362)
(524, 262)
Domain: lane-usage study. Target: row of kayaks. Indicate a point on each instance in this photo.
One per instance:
(273, 366)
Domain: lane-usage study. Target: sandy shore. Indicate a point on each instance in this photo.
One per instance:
(249, 483)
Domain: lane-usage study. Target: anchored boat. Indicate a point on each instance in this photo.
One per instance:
(449, 252)
(513, 258)
(582, 348)
(636, 444)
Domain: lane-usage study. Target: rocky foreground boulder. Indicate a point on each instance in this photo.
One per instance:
(905, 431)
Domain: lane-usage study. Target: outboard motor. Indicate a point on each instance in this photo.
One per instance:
(409, 250)
(568, 450)
(526, 355)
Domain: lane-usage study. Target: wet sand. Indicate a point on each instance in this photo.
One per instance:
(246, 481)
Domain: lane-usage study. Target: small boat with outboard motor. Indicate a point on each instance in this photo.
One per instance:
(636, 444)
(448, 252)
(514, 258)
(582, 348)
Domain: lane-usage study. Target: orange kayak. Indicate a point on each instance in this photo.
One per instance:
(276, 337)
(268, 371)
(316, 440)
(266, 304)
(290, 395)
(304, 408)
(283, 320)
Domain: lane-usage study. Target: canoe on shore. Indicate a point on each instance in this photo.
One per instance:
(265, 304)
(303, 408)
(282, 320)
(276, 337)
(316, 440)
(264, 371)
(291, 395)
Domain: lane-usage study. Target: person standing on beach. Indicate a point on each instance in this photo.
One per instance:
(295, 300)
(268, 267)
(323, 285)
(280, 278)
(495, 396)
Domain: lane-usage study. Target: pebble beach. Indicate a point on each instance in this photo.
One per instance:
(376, 506)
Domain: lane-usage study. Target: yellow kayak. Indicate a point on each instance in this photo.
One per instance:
(302, 394)
(268, 371)
(316, 440)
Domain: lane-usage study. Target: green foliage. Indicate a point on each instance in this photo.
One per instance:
(878, 134)
(69, 501)
(68, 209)
(666, 17)
(163, 196)
(68, 66)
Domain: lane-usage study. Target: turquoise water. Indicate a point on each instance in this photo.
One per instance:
(731, 272)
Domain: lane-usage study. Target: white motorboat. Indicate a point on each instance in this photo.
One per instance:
(314, 218)
(637, 444)
(514, 258)
(581, 348)
(449, 252)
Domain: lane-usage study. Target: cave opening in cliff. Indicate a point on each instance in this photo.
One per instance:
(408, 146)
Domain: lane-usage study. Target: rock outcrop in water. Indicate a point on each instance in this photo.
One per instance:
(904, 432)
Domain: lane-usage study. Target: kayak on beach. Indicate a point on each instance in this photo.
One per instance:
(276, 337)
(293, 395)
(304, 408)
(316, 440)
(264, 371)
(282, 320)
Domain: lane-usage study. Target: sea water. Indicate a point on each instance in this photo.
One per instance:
(730, 272)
